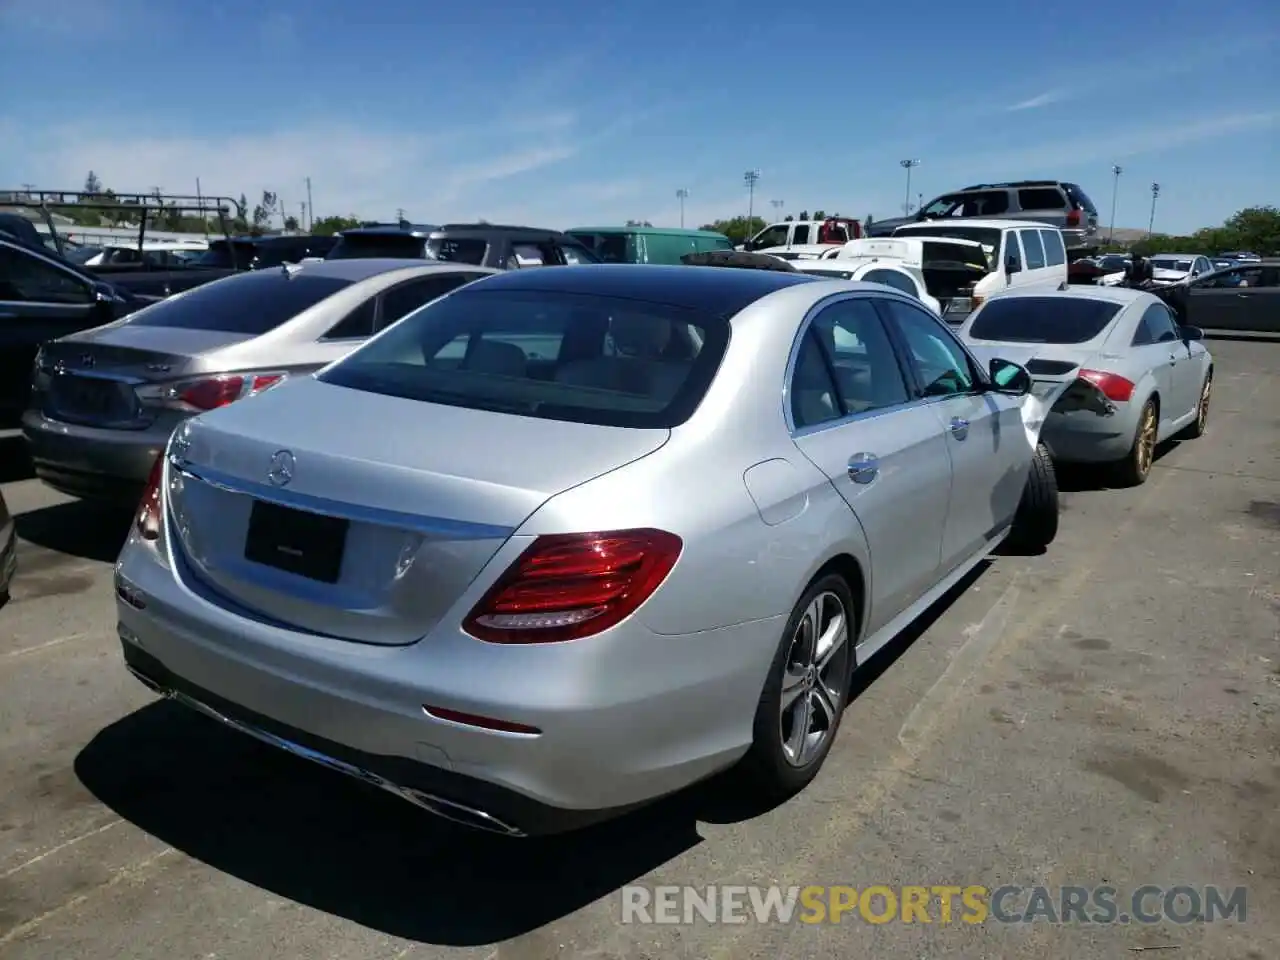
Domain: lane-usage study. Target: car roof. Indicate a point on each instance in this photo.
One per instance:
(994, 224)
(362, 269)
(1119, 295)
(491, 228)
(648, 231)
(1176, 256)
(722, 291)
(392, 230)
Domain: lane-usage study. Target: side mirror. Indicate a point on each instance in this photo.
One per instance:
(1012, 265)
(1191, 333)
(1009, 377)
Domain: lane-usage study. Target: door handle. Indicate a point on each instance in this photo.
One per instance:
(1243, 296)
(959, 428)
(864, 467)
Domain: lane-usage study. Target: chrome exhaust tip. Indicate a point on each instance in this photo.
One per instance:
(459, 813)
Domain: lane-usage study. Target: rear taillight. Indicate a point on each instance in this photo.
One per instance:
(1073, 218)
(148, 519)
(570, 586)
(209, 393)
(220, 391)
(1113, 387)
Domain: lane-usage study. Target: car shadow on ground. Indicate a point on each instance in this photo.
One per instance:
(79, 528)
(1093, 477)
(315, 837)
(15, 464)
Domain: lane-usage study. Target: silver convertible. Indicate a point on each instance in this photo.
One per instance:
(564, 541)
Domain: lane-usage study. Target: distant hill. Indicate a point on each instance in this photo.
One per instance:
(1123, 235)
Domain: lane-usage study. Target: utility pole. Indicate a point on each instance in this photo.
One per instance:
(311, 208)
(777, 206)
(1155, 192)
(399, 214)
(1116, 170)
(751, 178)
(907, 165)
(682, 195)
(302, 217)
(200, 203)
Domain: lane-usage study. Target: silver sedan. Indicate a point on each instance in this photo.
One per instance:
(1133, 376)
(565, 541)
(104, 402)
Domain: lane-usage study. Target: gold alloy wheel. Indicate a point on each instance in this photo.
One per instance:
(1202, 415)
(1146, 446)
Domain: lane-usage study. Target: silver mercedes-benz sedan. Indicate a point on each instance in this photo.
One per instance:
(565, 541)
(104, 402)
(1132, 376)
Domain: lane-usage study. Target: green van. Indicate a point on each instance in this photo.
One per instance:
(647, 244)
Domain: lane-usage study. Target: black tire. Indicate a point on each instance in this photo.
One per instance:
(1134, 469)
(1200, 425)
(1035, 525)
(766, 769)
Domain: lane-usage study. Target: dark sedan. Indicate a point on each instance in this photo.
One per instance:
(1245, 297)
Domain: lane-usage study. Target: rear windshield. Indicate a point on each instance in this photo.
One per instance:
(1081, 198)
(219, 255)
(1042, 319)
(368, 246)
(249, 303)
(458, 249)
(551, 355)
(987, 236)
(1171, 264)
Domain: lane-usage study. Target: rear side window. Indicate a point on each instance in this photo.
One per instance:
(1156, 326)
(1033, 247)
(458, 250)
(1042, 319)
(1055, 254)
(550, 355)
(801, 234)
(249, 303)
(402, 300)
(1080, 198)
(1041, 198)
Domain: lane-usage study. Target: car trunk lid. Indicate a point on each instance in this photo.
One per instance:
(366, 534)
(92, 375)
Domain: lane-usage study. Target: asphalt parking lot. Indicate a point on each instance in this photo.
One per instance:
(1105, 714)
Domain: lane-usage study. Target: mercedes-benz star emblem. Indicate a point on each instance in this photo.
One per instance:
(281, 470)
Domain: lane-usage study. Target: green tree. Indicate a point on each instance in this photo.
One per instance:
(737, 229)
(291, 223)
(819, 214)
(327, 226)
(92, 185)
(804, 215)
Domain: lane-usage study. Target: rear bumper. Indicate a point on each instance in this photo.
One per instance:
(1085, 437)
(91, 462)
(622, 721)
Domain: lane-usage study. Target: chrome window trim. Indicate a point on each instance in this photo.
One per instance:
(436, 527)
(793, 357)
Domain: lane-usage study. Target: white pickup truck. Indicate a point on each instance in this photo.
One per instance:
(789, 234)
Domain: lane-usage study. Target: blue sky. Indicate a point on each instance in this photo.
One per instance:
(574, 113)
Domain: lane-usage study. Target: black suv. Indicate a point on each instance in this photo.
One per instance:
(1055, 202)
(505, 247)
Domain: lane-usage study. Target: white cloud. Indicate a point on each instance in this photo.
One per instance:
(1079, 147)
(1043, 100)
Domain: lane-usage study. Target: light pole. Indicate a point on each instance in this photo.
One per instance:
(1155, 192)
(907, 165)
(682, 195)
(1116, 170)
(751, 178)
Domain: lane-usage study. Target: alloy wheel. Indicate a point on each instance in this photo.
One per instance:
(1146, 439)
(815, 678)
